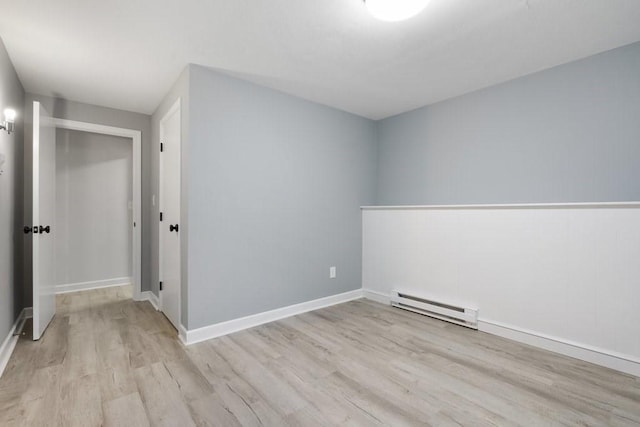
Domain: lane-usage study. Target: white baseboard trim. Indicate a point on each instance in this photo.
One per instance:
(96, 284)
(151, 297)
(193, 336)
(598, 356)
(9, 343)
(155, 302)
(182, 334)
(376, 296)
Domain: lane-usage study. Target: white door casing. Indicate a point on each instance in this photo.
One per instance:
(43, 217)
(169, 197)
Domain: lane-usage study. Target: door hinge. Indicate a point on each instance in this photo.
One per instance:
(160, 285)
(161, 147)
(160, 216)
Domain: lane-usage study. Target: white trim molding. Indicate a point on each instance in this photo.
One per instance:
(96, 284)
(182, 334)
(9, 343)
(586, 205)
(376, 296)
(151, 297)
(598, 356)
(193, 336)
(610, 359)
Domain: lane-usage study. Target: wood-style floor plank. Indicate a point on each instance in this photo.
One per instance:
(125, 411)
(107, 360)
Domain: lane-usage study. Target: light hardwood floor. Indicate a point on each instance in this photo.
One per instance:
(106, 360)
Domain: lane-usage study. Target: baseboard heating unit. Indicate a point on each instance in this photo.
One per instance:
(463, 316)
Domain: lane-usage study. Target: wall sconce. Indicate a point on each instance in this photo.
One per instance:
(9, 119)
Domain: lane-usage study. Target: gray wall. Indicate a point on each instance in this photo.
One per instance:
(180, 90)
(568, 134)
(12, 299)
(93, 207)
(64, 109)
(275, 186)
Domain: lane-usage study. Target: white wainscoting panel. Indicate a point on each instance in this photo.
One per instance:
(568, 273)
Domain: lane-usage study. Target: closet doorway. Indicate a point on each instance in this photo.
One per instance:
(102, 214)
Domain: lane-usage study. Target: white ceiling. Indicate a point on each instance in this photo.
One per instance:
(127, 53)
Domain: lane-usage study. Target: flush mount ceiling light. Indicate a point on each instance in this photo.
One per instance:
(395, 10)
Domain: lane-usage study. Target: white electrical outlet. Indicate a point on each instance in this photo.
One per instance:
(332, 272)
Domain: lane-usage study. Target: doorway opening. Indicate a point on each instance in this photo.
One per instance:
(43, 213)
(85, 197)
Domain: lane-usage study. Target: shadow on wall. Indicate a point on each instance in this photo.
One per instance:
(59, 106)
(15, 170)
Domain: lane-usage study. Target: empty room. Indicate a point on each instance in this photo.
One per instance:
(298, 213)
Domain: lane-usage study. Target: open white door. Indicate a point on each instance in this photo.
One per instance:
(170, 215)
(44, 196)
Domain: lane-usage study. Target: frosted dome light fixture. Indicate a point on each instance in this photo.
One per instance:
(395, 10)
(10, 114)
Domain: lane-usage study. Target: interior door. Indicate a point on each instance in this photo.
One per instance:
(44, 196)
(170, 215)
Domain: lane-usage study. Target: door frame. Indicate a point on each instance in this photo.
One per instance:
(175, 107)
(136, 138)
